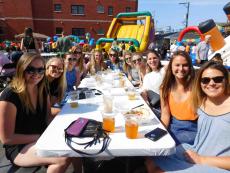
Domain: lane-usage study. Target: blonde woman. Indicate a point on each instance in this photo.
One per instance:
(127, 64)
(80, 64)
(25, 115)
(56, 81)
(96, 62)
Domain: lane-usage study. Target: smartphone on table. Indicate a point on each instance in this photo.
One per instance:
(156, 134)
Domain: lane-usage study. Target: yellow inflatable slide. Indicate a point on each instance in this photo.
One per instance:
(135, 26)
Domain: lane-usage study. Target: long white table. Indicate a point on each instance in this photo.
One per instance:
(52, 141)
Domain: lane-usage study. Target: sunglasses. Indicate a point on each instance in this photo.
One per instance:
(112, 55)
(128, 58)
(77, 52)
(217, 79)
(72, 59)
(54, 67)
(34, 70)
(137, 60)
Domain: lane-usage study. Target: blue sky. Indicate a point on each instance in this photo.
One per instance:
(170, 13)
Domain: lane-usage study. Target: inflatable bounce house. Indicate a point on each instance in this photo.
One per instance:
(218, 43)
(134, 26)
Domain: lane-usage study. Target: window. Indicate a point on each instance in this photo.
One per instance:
(78, 31)
(59, 30)
(100, 31)
(100, 9)
(57, 7)
(77, 9)
(128, 9)
(110, 10)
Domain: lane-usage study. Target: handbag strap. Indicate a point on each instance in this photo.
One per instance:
(106, 140)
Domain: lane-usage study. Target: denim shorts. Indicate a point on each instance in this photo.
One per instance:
(183, 131)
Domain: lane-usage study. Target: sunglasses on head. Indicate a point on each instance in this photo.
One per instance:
(128, 58)
(137, 60)
(34, 70)
(72, 59)
(217, 79)
(54, 67)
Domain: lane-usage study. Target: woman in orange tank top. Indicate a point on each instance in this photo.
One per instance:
(176, 110)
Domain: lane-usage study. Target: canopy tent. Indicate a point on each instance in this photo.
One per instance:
(35, 35)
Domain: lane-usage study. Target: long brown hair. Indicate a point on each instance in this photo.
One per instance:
(169, 79)
(18, 83)
(148, 68)
(198, 94)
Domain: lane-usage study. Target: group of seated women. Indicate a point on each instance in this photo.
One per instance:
(195, 107)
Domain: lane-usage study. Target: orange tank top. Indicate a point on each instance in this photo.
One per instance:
(181, 110)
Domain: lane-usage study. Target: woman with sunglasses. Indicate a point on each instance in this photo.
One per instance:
(175, 95)
(211, 149)
(80, 64)
(56, 81)
(139, 69)
(72, 75)
(96, 63)
(24, 115)
(114, 63)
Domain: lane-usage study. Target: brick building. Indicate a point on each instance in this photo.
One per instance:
(51, 17)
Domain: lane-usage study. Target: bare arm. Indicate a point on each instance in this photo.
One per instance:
(165, 112)
(7, 126)
(78, 75)
(22, 46)
(222, 162)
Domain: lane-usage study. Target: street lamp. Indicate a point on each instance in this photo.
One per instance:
(187, 4)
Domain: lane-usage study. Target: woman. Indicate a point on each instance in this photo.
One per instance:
(127, 64)
(139, 69)
(72, 75)
(154, 72)
(175, 95)
(114, 63)
(29, 43)
(56, 82)
(211, 149)
(25, 115)
(79, 65)
(96, 63)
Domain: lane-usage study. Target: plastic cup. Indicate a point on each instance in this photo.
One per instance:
(122, 82)
(108, 103)
(131, 127)
(131, 94)
(108, 121)
(74, 104)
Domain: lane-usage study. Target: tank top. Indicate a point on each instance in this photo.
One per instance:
(181, 110)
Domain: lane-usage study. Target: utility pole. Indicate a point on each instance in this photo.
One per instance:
(187, 4)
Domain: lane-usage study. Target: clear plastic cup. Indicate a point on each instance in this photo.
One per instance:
(108, 121)
(108, 103)
(131, 127)
(131, 93)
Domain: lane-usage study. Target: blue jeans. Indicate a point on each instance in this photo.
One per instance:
(183, 131)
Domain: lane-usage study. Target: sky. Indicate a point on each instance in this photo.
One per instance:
(168, 13)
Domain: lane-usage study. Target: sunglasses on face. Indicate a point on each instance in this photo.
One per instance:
(112, 54)
(77, 52)
(34, 70)
(128, 58)
(54, 67)
(137, 60)
(217, 79)
(72, 59)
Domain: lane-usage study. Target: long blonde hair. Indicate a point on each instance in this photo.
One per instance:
(19, 86)
(61, 81)
(92, 66)
(80, 61)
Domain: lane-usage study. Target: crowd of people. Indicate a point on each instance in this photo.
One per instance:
(193, 106)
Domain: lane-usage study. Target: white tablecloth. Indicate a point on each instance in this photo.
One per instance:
(52, 141)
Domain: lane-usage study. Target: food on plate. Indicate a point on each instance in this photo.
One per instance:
(140, 112)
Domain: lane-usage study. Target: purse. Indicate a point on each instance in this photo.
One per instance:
(83, 127)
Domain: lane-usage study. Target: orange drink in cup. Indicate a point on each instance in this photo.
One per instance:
(108, 122)
(131, 127)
